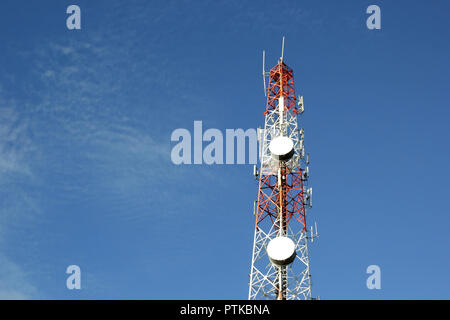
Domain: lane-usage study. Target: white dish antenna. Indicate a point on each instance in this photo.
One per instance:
(281, 148)
(281, 251)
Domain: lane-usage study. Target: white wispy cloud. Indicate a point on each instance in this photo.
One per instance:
(16, 150)
(14, 281)
(97, 138)
(15, 145)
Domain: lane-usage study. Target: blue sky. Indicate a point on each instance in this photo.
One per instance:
(85, 124)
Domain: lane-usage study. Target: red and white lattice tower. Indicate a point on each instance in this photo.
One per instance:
(280, 262)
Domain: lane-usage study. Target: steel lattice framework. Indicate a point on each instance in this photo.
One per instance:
(283, 197)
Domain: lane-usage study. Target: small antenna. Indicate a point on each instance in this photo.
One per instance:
(255, 172)
(264, 72)
(314, 234)
(282, 50)
(301, 104)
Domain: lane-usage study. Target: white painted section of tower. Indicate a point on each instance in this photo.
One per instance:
(269, 165)
(281, 109)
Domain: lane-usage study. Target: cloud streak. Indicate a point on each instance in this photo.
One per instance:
(16, 149)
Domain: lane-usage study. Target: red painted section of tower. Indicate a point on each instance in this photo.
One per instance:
(277, 87)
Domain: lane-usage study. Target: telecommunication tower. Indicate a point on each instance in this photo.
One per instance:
(280, 262)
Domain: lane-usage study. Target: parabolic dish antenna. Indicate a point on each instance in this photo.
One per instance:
(281, 148)
(281, 251)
